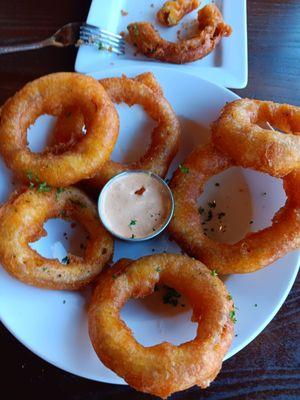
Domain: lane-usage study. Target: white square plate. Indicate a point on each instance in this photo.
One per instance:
(227, 65)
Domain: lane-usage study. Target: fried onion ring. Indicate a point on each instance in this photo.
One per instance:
(164, 368)
(257, 249)
(173, 11)
(145, 91)
(50, 95)
(238, 132)
(21, 222)
(211, 30)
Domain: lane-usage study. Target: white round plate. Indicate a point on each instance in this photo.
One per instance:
(53, 324)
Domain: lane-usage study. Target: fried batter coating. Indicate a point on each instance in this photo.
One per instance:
(257, 249)
(164, 368)
(211, 30)
(241, 131)
(21, 222)
(173, 11)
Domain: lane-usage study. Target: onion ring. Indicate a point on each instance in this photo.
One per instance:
(238, 132)
(50, 95)
(211, 30)
(257, 249)
(173, 11)
(164, 368)
(143, 90)
(21, 222)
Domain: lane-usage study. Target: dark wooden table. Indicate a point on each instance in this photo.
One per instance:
(269, 368)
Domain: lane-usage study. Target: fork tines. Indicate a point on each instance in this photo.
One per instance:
(102, 39)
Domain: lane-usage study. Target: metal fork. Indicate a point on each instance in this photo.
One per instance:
(75, 33)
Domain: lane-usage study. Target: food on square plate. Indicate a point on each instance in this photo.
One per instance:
(135, 205)
(145, 91)
(241, 132)
(173, 11)
(164, 368)
(50, 95)
(211, 30)
(21, 222)
(257, 249)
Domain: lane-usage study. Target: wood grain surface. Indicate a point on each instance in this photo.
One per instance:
(269, 367)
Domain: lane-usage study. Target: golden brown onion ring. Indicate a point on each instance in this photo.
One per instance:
(164, 368)
(257, 249)
(242, 133)
(211, 30)
(173, 11)
(21, 222)
(145, 91)
(51, 94)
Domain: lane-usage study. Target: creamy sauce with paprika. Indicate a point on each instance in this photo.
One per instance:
(135, 205)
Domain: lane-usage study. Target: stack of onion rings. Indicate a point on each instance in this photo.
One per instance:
(240, 134)
(50, 95)
(145, 91)
(173, 11)
(211, 30)
(164, 368)
(21, 222)
(257, 249)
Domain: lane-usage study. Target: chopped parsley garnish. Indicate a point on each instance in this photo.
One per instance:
(212, 204)
(184, 169)
(58, 192)
(63, 213)
(132, 222)
(32, 179)
(209, 216)
(232, 316)
(157, 269)
(201, 210)
(229, 297)
(136, 30)
(171, 296)
(66, 260)
(44, 187)
(29, 175)
(214, 273)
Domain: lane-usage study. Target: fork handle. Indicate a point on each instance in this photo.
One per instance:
(27, 46)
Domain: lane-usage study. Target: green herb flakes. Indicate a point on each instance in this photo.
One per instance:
(65, 260)
(43, 187)
(59, 191)
(183, 169)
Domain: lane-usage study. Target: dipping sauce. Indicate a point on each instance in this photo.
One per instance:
(135, 205)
